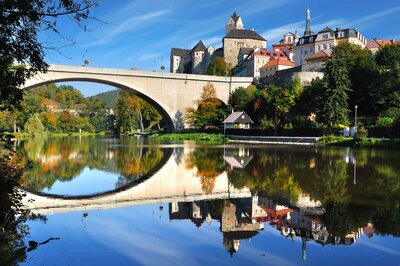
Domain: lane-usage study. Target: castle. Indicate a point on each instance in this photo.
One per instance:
(198, 59)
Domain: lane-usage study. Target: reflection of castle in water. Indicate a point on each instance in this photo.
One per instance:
(244, 218)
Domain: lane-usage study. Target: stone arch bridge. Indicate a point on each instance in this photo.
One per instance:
(169, 93)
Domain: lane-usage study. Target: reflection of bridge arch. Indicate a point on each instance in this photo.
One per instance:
(167, 154)
(171, 183)
(169, 93)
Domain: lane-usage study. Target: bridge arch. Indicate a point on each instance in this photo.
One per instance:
(169, 93)
(119, 85)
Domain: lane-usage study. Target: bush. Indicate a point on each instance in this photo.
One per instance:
(385, 122)
(361, 134)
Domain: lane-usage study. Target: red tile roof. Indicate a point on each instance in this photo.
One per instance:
(384, 43)
(279, 62)
(320, 54)
(379, 43)
(271, 53)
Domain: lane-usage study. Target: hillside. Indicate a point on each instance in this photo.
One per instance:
(109, 97)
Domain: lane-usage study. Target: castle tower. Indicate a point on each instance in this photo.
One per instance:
(307, 31)
(234, 22)
(197, 58)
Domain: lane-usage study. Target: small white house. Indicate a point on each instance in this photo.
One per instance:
(238, 120)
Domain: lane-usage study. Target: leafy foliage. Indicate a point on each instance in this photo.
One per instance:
(209, 110)
(218, 67)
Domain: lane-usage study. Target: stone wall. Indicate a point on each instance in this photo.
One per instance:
(283, 77)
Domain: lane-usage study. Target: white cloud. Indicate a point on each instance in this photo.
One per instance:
(132, 23)
(372, 18)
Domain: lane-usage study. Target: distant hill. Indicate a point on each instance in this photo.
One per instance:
(109, 97)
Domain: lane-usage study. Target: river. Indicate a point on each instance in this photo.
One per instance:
(125, 201)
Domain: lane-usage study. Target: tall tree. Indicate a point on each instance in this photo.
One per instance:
(336, 82)
(239, 99)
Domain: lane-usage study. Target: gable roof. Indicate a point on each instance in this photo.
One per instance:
(326, 29)
(235, 17)
(320, 54)
(179, 51)
(372, 44)
(244, 34)
(279, 62)
(238, 118)
(199, 47)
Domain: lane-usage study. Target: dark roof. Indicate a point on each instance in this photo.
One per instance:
(179, 51)
(246, 50)
(306, 39)
(235, 17)
(238, 118)
(199, 47)
(326, 29)
(218, 53)
(244, 34)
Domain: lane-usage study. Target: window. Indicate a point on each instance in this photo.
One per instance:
(301, 61)
(289, 39)
(340, 34)
(301, 51)
(311, 49)
(301, 41)
(311, 39)
(319, 47)
(324, 36)
(325, 47)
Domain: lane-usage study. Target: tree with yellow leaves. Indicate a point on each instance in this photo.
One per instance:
(209, 111)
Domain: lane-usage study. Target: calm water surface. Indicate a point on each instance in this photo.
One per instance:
(133, 202)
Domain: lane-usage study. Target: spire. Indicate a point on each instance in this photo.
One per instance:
(307, 31)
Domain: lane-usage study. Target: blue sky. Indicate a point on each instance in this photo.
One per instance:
(141, 33)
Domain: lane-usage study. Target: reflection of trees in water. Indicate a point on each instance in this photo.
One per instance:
(64, 159)
(328, 176)
(209, 164)
(268, 172)
(134, 161)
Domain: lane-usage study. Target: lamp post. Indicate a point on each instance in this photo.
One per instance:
(355, 116)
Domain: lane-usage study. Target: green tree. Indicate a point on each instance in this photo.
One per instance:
(34, 125)
(281, 100)
(125, 113)
(336, 83)
(218, 67)
(239, 99)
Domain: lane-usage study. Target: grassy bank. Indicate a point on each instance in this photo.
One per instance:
(364, 143)
(215, 138)
(51, 134)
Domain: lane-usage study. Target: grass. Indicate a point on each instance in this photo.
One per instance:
(215, 138)
(364, 143)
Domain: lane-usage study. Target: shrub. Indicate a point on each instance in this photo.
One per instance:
(361, 134)
(385, 122)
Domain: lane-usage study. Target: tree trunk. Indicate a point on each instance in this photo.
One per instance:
(141, 120)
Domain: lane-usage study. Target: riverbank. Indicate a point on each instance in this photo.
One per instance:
(381, 143)
(320, 141)
(218, 138)
(51, 134)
